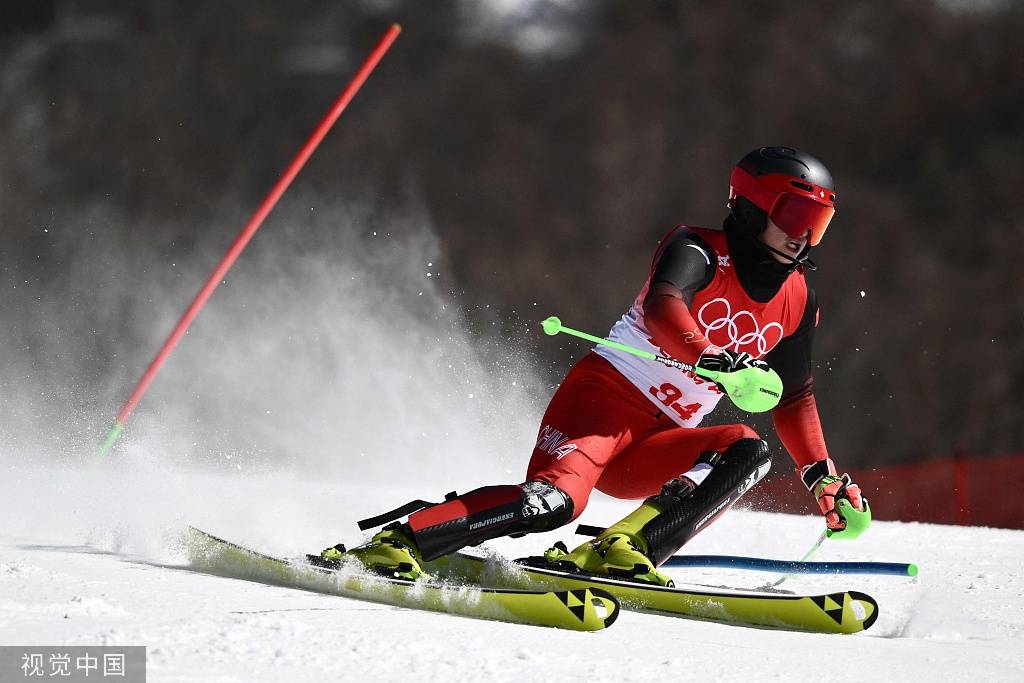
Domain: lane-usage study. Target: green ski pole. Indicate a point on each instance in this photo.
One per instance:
(751, 389)
(857, 523)
(807, 556)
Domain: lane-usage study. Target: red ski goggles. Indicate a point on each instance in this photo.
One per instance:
(797, 207)
(798, 215)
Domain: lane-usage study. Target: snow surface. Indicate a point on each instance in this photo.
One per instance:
(90, 558)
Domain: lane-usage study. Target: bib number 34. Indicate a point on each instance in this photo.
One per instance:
(670, 396)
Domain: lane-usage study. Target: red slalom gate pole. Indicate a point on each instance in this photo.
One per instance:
(248, 231)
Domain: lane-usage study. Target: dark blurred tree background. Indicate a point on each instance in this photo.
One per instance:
(553, 143)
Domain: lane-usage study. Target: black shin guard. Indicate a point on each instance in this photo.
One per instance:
(686, 510)
(486, 513)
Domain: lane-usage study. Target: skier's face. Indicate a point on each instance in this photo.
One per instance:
(775, 238)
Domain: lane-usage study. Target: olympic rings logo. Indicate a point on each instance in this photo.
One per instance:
(734, 331)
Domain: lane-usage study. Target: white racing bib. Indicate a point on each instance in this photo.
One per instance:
(683, 396)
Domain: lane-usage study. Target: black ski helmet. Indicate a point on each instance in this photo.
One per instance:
(792, 187)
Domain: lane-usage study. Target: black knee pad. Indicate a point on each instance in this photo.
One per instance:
(545, 507)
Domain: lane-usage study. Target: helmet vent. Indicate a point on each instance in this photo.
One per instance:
(801, 186)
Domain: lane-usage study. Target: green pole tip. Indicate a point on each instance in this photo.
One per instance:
(911, 570)
(552, 326)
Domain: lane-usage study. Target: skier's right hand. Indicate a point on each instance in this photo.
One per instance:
(723, 360)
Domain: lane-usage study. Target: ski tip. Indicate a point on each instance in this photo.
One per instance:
(607, 606)
(868, 604)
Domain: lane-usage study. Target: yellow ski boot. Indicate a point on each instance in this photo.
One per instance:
(390, 553)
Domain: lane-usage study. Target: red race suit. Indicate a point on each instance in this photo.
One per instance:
(626, 425)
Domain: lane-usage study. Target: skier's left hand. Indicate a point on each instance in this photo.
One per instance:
(845, 509)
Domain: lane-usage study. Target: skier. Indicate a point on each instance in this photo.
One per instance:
(722, 300)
